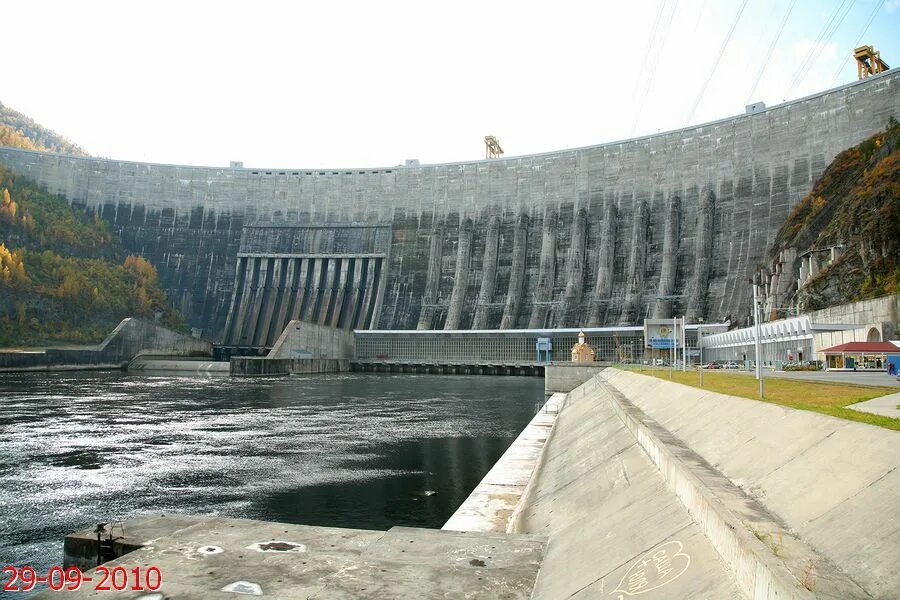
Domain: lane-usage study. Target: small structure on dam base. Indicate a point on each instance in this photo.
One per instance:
(581, 352)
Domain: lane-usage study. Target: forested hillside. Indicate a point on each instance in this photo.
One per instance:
(19, 131)
(63, 276)
(854, 205)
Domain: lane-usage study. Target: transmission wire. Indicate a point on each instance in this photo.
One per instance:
(825, 42)
(653, 30)
(762, 69)
(653, 69)
(712, 72)
(800, 72)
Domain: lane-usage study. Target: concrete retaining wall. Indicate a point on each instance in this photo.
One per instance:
(833, 483)
(308, 340)
(881, 314)
(563, 377)
(131, 337)
(254, 366)
(497, 500)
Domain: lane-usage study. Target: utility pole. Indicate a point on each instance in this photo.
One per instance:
(700, 346)
(684, 344)
(758, 336)
(674, 350)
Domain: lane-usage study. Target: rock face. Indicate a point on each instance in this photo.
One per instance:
(667, 224)
(841, 243)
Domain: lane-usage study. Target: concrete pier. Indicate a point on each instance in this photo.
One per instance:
(546, 273)
(461, 278)
(433, 277)
(605, 264)
(516, 274)
(669, 268)
(216, 557)
(571, 306)
(488, 275)
(634, 281)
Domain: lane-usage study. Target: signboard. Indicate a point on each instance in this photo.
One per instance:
(661, 334)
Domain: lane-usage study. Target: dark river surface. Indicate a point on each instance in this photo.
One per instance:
(348, 450)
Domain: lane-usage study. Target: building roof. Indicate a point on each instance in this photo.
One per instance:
(874, 347)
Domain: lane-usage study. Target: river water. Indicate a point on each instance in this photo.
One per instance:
(348, 450)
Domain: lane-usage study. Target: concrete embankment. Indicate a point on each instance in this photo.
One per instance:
(493, 503)
(654, 488)
(130, 338)
(834, 484)
(614, 528)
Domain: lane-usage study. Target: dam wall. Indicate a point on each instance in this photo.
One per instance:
(545, 240)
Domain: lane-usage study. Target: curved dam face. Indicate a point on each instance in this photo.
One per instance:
(673, 223)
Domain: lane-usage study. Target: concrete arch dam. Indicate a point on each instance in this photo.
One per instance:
(673, 223)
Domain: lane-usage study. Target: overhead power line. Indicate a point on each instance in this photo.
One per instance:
(653, 69)
(712, 71)
(765, 63)
(826, 41)
(814, 47)
(646, 55)
(824, 36)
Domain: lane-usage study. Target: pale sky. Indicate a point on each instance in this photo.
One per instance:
(369, 84)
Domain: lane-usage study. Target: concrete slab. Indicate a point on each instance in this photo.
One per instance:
(324, 562)
(682, 566)
(886, 406)
(853, 534)
(821, 477)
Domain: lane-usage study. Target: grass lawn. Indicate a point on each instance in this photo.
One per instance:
(828, 398)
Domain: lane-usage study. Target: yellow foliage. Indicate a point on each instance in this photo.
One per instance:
(13, 266)
(141, 267)
(70, 288)
(16, 139)
(143, 301)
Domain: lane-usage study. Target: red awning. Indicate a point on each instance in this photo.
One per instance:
(863, 348)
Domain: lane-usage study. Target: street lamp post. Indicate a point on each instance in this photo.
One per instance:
(758, 342)
(700, 346)
(674, 352)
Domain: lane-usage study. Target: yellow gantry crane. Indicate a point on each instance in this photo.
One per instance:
(868, 62)
(492, 147)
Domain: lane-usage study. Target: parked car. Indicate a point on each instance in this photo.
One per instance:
(731, 365)
(712, 365)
